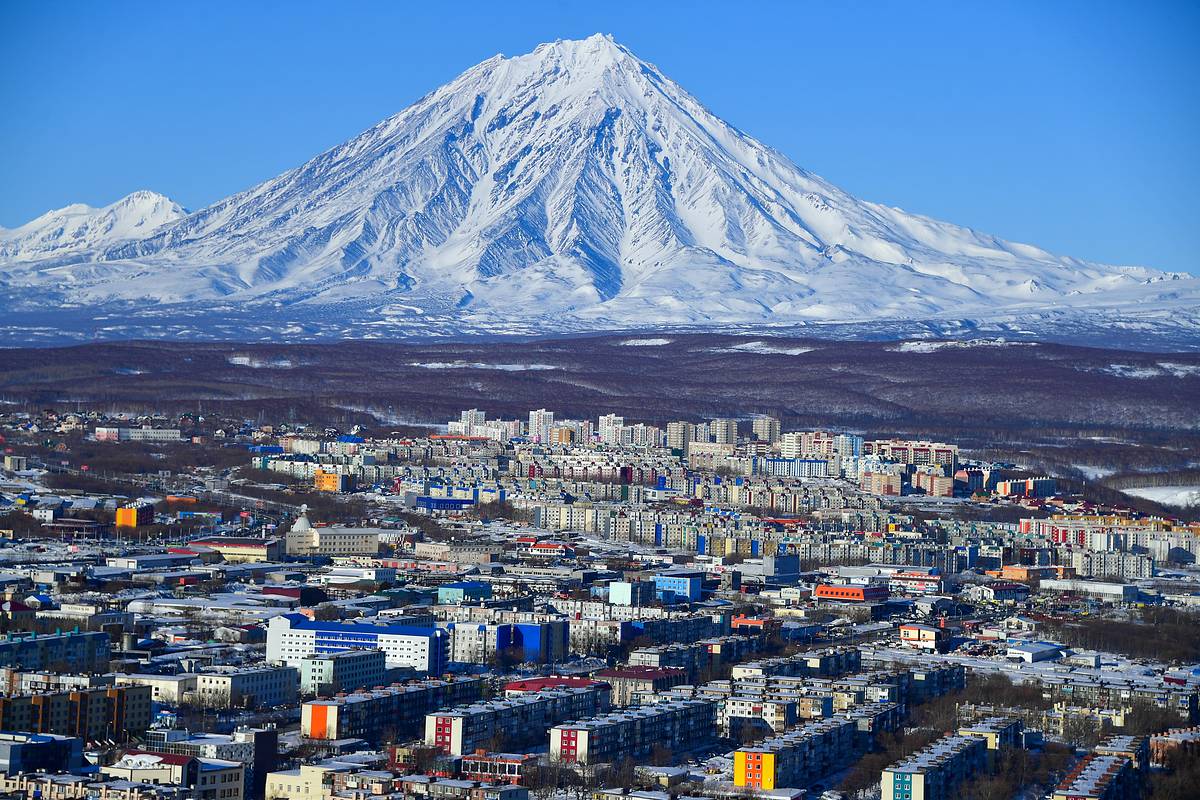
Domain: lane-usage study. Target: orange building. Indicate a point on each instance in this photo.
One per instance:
(324, 481)
(843, 593)
(741, 622)
(134, 516)
(1022, 572)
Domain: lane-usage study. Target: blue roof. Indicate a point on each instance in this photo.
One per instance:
(306, 624)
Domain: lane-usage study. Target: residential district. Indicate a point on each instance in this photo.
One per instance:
(228, 609)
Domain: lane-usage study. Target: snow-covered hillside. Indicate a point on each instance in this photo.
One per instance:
(575, 187)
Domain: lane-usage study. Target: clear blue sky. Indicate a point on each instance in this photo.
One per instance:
(1071, 125)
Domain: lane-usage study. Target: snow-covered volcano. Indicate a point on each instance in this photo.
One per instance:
(574, 187)
(80, 227)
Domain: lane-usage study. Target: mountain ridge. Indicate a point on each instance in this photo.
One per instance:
(573, 187)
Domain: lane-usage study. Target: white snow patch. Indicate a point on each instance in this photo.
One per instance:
(1180, 370)
(260, 363)
(646, 342)
(1093, 473)
(933, 347)
(1183, 496)
(763, 348)
(479, 365)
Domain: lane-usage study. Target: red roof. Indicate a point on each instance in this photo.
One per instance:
(234, 541)
(166, 758)
(641, 672)
(551, 682)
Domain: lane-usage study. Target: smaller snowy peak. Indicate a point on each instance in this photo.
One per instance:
(79, 227)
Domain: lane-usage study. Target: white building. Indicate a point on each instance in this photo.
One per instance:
(238, 687)
(541, 422)
(472, 419)
(306, 539)
(724, 431)
(765, 429)
(291, 638)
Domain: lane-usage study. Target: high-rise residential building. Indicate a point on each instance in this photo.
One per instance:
(541, 422)
(918, 453)
(609, 428)
(724, 431)
(471, 419)
(847, 445)
(679, 434)
(765, 429)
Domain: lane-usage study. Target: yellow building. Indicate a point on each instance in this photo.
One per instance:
(754, 768)
(240, 549)
(309, 782)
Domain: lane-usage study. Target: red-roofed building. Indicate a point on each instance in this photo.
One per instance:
(628, 681)
(532, 685)
(764, 625)
(243, 548)
(846, 593)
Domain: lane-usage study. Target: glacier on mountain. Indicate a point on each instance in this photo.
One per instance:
(572, 188)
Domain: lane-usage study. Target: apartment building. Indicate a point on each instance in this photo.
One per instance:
(70, 651)
(723, 431)
(1110, 564)
(827, 662)
(797, 757)
(628, 681)
(917, 453)
(765, 429)
(204, 778)
(37, 752)
(391, 712)
(635, 732)
(999, 732)
(256, 748)
(342, 671)
(67, 786)
(112, 713)
(935, 772)
(246, 687)
(169, 690)
(1099, 777)
(776, 714)
(512, 722)
(881, 483)
(291, 638)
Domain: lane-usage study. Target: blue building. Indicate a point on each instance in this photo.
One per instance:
(39, 752)
(679, 586)
(463, 592)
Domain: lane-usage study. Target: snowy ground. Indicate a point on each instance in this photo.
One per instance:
(1182, 496)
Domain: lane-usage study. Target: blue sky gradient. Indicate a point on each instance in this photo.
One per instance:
(1071, 125)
